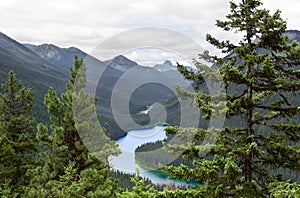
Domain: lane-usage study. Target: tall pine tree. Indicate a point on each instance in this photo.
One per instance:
(260, 142)
(18, 143)
(69, 166)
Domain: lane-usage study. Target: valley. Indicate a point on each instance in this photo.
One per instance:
(46, 65)
(136, 102)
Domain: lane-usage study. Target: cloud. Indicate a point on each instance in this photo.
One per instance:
(148, 46)
(85, 24)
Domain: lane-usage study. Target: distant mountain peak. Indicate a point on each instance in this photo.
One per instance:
(123, 60)
(166, 66)
(16, 56)
(73, 49)
(61, 57)
(167, 62)
(48, 46)
(293, 31)
(120, 57)
(293, 35)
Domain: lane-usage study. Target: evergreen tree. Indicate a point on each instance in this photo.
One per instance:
(284, 189)
(17, 134)
(261, 74)
(7, 168)
(70, 167)
(140, 189)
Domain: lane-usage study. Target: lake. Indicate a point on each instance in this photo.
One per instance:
(126, 161)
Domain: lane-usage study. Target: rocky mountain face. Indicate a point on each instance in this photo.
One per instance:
(14, 56)
(61, 57)
(121, 63)
(34, 71)
(165, 66)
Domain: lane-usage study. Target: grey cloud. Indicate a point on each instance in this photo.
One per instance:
(148, 40)
(85, 24)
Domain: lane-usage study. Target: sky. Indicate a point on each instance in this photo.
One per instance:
(86, 24)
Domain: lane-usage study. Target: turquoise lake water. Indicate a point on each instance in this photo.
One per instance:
(126, 161)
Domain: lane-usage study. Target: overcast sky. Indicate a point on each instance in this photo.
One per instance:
(87, 23)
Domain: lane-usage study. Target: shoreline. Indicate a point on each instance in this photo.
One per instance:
(164, 124)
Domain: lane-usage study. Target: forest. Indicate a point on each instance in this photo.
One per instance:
(255, 154)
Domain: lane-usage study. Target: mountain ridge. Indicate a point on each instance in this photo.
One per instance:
(61, 57)
(20, 58)
(32, 65)
(46, 65)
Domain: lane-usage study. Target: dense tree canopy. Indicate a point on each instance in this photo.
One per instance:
(261, 74)
(67, 167)
(17, 134)
(256, 153)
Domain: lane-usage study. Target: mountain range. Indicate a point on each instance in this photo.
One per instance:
(14, 55)
(47, 65)
(60, 57)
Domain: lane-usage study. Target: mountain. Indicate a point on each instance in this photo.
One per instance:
(39, 74)
(29, 46)
(121, 63)
(293, 35)
(146, 85)
(167, 62)
(113, 71)
(34, 71)
(61, 57)
(23, 61)
(166, 66)
(42, 66)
